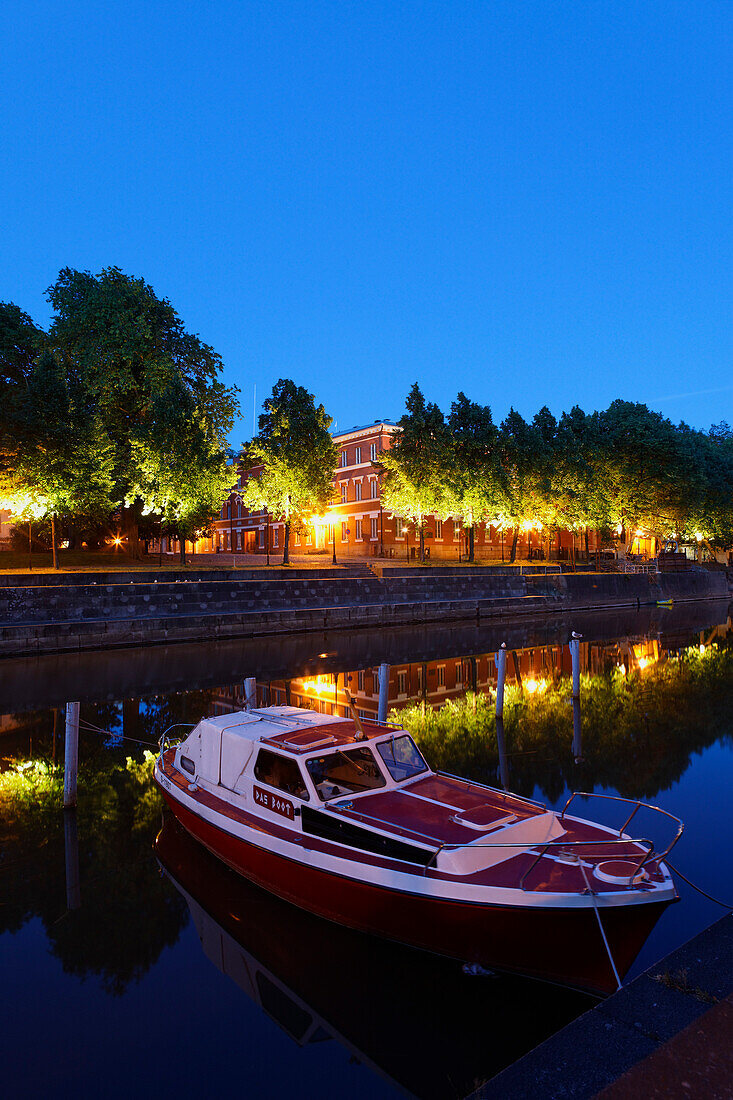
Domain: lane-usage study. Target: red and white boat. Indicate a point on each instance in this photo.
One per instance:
(344, 818)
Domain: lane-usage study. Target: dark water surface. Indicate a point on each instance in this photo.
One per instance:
(159, 971)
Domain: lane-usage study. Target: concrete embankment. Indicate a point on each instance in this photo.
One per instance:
(138, 609)
(666, 1034)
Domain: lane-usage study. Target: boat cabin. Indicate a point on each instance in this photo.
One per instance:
(308, 756)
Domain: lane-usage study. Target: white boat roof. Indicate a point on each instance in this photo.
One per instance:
(257, 724)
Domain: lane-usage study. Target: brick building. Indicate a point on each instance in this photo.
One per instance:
(362, 527)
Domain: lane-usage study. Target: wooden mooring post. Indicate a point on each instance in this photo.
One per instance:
(500, 658)
(574, 647)
(383, 693)
(71, 754)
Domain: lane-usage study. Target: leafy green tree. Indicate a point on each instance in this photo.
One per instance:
(64, 462)
(474, 484)
(417, 465)
(524, 461)
(297, 454)
(650, 469)
(155, 391)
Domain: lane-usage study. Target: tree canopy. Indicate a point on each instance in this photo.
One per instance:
(117, 405)
(417, 464)
(297, 454)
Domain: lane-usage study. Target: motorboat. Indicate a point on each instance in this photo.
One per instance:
(382, 1002)
(345, 818)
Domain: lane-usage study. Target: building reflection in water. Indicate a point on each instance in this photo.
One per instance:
(533, 670)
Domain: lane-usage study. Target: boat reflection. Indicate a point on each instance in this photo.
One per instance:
(417, 1020)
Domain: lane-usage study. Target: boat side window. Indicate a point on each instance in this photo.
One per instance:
(402, 757)
(347, 771)
(280, 772)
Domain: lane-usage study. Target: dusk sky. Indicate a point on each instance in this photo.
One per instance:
(530, 202)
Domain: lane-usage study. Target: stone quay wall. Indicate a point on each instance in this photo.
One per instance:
(70, 613)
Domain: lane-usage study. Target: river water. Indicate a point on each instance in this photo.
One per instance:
(156, 969)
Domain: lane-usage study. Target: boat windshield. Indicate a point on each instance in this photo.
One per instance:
(402, 757)
(344, 772)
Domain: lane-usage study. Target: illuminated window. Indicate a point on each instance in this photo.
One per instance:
(358, 530)
(344, 535)
(402, 683)
(456, 529)
(276, 537)
(459, 673)
(344, 493)
(374, 488)
(399, 528)
(357, 490)
(360, 679)
(297, 538)
(441, 676)
(438, 528)
(374, 531)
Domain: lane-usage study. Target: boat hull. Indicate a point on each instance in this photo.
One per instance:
(555, 944)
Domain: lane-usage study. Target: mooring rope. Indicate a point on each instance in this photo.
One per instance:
(699, 889)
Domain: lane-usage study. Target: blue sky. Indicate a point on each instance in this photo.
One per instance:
(530, 201)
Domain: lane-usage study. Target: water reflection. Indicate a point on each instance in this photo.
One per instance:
(653, 726)
(418, 1020)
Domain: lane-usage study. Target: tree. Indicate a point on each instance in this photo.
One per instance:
(474, 478)
(417, 464)
(524, 461)
(154, 390)
(651, 469)
(297, 454)
(64, 462)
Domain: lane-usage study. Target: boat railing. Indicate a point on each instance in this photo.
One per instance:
(165, 742)
(636, 805)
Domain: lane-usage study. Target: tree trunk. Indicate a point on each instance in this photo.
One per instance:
(422, 542)
(129, 525)
(54, 547)
(587, 546)
(515, 540)
(182, 546)
(286, 543)
(471, 542)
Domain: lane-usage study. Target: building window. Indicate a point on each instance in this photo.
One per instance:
(344, 536)
(402, 683)
(373, 451)
(374, 488)
(374, 531)
(438, 528)
(419, 677)
(297, 538)
(360, 679)
(276, 537)
(456, 530)
(399, 527)
(357, 456)
(441, 676)
(308, 538)
(459, 673)
(239, 509)
(357, 490)
(239, 540)
(344, 493)
(344, 457)
(358, 530)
